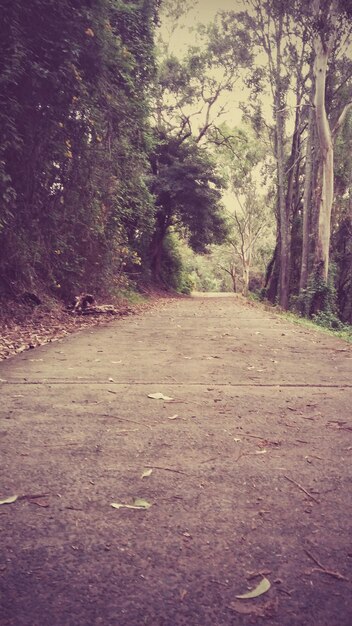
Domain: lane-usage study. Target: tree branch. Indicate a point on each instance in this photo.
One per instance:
(341, 119)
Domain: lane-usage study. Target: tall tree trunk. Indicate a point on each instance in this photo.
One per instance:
(284, 276)
(157, 246)
(245, 276)
(284, 223)
(307, 196)
(325, 189)
(272, 274)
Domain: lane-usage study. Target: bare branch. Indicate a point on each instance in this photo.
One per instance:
(341, 119)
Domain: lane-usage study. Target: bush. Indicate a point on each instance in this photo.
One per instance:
(318, 298)
(173, 273)
(328, 320)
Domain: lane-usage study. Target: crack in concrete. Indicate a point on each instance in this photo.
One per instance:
(176, 384)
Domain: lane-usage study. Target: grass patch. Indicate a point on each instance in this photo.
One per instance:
(344, 332)
(327, 324)
(130, 296)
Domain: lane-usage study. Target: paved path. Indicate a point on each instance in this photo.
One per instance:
(253, 476)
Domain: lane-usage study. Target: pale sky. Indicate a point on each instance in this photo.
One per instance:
(207, 8)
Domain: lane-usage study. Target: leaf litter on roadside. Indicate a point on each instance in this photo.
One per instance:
(138, 504)
(263, 587)
(146, 473)
(159, 396)
(9, 500)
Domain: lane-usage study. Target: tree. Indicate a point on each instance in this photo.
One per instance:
(190, 93)
(330, 97)
(326, 32)
(187, 193)
(304, 48)
(283, 38)
(242, 157)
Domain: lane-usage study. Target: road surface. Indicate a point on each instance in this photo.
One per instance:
(251, 473)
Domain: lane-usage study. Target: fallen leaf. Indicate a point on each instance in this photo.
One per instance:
(9, 500)
(173, 417)
(139, 503)
(159, 396)
(263, 587)
(146, 473)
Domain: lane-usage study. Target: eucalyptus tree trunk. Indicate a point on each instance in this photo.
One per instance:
(284, 222)
(307, 197)
(325, 182)
(271, 32)
(245, 277)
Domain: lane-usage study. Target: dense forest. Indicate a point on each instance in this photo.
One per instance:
(121, 165)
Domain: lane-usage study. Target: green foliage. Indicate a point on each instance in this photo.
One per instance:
(173, 273)
(341, 248)
(319, 298)
(328, 320)
(344, 332)
(73, 157)
(187, 193)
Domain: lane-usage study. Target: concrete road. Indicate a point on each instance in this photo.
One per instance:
(250, 463)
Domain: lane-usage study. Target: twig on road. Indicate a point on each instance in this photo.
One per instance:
(264, 572)
(124, 419)
(321, 568)
(263, 438)
(302, 489)
(166, 469)
(33, 496)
